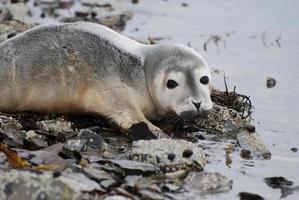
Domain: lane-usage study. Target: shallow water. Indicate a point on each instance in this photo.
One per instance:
(247, 53)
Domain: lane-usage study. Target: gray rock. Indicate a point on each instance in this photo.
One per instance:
(252, 145)
(75, 144)
(48, 156)
(136, 168)
(206, 182)
(169, 155)
(79, 182)
(96, 174)
(93, 139)
(56, 125)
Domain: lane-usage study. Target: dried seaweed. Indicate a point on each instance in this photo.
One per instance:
(231, 99)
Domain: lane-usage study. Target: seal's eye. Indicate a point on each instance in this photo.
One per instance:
(171, 84)
(204, 80)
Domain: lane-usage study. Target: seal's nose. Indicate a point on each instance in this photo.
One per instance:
(197, 105)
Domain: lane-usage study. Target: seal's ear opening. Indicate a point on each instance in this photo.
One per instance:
(140, 131)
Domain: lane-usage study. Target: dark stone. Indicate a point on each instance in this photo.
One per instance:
(81, 14)
(271, 82)
(74, 145)
(185, 4)
(294, 149)
(200, 137)
(281, 183)
(249, 196)
(135, 1)
(8, 190)
(93, 139)
(93, 14)
(246, 154)
(187, 153)
(277, 182)
(250, 128)
(43, 15)
(60, 137)
(77, 155)
(34, 143)
(56, 173)
(11, 35)
(28, 124)
(171, 156)
(141, 131)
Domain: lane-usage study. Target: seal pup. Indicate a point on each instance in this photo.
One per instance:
(86, 67)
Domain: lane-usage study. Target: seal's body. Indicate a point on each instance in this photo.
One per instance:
(86, 67)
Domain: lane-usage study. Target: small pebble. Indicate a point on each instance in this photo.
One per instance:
(271, 82)
(185, 4)
(171, 156)
(11, 35)
(294, 149)
(187, 153)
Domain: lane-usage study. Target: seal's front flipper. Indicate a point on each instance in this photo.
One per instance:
(141, 131)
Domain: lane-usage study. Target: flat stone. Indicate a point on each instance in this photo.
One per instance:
(252, 145)
(207, 182)
(2, 158)
(33, 185)
(79, 182)
(93, 140)
(96, 174)
(136, 168)
(169, 155)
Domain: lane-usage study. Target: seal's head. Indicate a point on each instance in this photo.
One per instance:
(178, 79)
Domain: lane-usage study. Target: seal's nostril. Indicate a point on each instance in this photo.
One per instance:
(197, 105)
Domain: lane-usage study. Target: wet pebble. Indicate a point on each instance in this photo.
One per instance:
(185, 4)
(10, 35)
(271, 82)
(207, 182)
(93, 140)
(34, 143)
(252, 146)
(250, 196)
